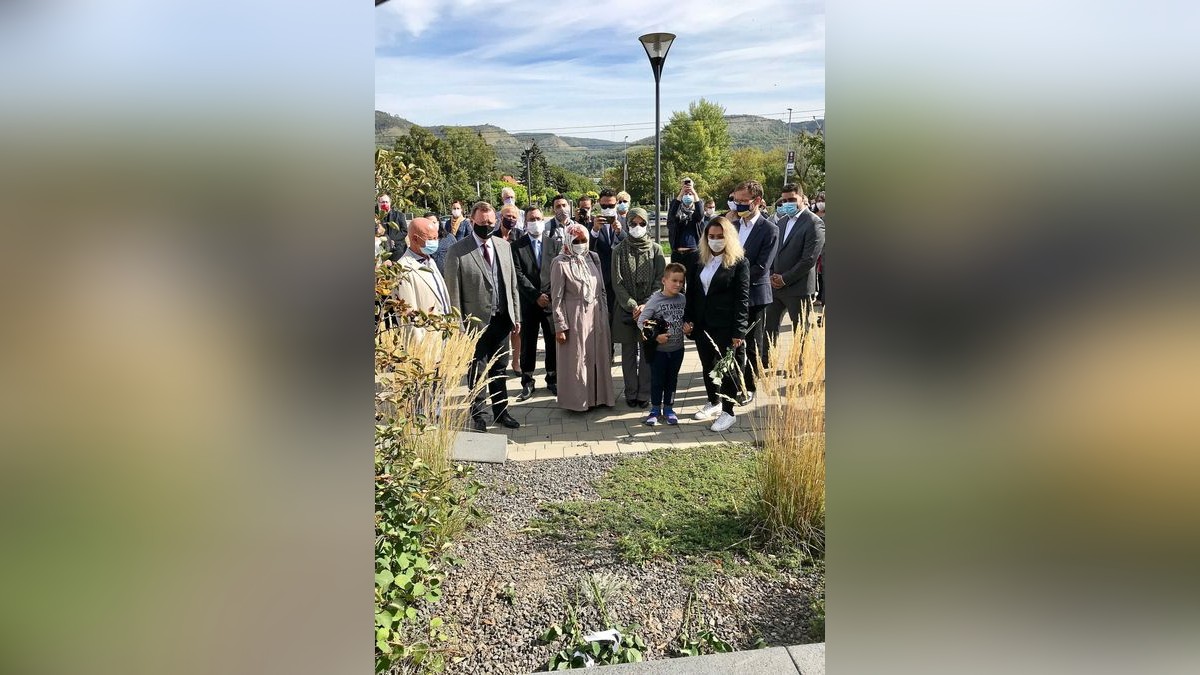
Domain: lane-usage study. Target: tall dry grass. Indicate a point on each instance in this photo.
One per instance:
(791, 427)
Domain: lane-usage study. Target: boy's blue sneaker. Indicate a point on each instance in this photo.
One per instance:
(672, 419)
(652, 418)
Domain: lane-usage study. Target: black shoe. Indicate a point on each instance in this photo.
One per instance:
(747, 398)
(643, 404)
(526, 391)
(553, 389)
(480, 426)
(631, 403)
(508, 422)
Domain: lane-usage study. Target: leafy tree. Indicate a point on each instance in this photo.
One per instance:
(399, 178)
(697, 142)
(473, 156)
(641, 177)
(534, 162)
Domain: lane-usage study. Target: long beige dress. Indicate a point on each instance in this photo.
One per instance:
(580, 307)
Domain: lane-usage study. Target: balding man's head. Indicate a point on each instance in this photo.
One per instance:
(420, 231)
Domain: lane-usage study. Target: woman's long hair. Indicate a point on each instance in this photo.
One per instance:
(733, 246)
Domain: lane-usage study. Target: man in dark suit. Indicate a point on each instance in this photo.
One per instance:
(793, 280)
(481, 280)
(395, 224)
(606, 232)
(685, 223)
(532, 255)
(759, 237)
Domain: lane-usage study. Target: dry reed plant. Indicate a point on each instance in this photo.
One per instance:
(790, 424)
(420, 364)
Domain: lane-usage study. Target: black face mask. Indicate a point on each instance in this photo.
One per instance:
(508, 223)
(482, 231)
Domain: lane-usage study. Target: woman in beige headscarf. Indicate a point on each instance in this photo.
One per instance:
(581, 322)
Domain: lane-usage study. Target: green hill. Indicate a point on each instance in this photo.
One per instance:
(590, 156)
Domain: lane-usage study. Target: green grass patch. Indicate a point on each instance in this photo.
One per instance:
(696, 503)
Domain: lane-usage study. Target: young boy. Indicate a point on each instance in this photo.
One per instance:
(665, 309)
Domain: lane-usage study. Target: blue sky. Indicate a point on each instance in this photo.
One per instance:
(572, 68)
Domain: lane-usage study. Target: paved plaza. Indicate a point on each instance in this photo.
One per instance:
(549, 432)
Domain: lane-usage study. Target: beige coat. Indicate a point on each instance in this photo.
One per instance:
(585, 359)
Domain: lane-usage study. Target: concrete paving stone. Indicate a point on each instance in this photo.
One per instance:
(471, 446)
(580, 450)
(809, 659)
(636, 447)
(772, 661)
(553, 451)
(606, 448)
(519, 454)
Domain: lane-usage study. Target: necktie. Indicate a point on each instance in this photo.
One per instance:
(487, 254)
(537, 252)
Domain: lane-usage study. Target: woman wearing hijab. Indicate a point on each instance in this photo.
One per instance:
(581, 324)
(637, 269)
(717, 314)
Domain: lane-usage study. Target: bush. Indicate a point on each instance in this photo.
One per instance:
(421, 504)
(792, 469)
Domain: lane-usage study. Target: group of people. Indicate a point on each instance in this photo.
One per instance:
(587, 281)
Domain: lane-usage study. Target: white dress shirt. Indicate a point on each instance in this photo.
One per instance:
(710, 271)
(744, 232)
(792, 223)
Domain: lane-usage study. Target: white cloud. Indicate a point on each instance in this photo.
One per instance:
(753, 58)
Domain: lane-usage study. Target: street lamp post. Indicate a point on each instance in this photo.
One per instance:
(625, 171)
(787, 157)
(657, 45)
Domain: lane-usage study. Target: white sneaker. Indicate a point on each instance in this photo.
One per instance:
(723, 422)
(708, 411)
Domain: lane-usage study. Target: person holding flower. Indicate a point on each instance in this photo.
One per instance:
(717, 316)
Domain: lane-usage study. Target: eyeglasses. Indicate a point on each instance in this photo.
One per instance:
(790, 200)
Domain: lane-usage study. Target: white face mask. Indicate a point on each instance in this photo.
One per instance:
(508, 200)
(609, 212)
(716, 245)
(732, 205)
(579, 249)
(535, 227)
(457, 213)
(710, 212)
(637, 231)
(562, 212)
(820, 206)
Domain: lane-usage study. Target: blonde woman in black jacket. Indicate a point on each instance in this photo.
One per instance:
(717, 313)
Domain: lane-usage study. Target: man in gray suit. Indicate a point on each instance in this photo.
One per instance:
(482, 283)
(793, 277)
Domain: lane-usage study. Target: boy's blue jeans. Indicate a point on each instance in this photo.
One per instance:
(664, 377)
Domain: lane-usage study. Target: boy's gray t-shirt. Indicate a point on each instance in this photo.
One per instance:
(669, 310)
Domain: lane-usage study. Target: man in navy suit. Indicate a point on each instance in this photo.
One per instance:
(606, 232)
(759, 237)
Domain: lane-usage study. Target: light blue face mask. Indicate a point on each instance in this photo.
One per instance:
(688, 199)
(787, 209)
(430, 247)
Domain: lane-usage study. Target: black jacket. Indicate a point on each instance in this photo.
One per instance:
(675, 226)
(726, 306)
(532, 281)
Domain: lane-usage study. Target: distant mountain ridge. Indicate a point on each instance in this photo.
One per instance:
(590, 156)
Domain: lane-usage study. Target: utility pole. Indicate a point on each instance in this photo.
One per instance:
(528, 178)
(787, 159)
(625, 172)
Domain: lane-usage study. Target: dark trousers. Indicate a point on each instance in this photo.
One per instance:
(754, 345)
(664, 377)
(689, 260)
(531, 321)
(821, 287)
(798, 308)
(493, 341)
(709, 355)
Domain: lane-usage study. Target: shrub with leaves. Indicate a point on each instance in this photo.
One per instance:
(421, 503)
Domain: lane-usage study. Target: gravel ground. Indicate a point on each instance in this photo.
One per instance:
(492, 635)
